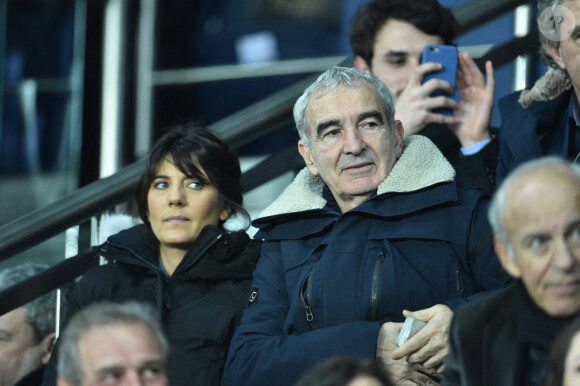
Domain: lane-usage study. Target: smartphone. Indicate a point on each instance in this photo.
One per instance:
(410, 328)
(447, 56)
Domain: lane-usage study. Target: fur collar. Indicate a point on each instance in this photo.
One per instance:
(551, 85)
(421, 165)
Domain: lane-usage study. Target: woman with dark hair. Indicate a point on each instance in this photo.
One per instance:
(185, 259)
(564, 359)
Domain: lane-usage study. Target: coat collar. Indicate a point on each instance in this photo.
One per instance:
(421, 165)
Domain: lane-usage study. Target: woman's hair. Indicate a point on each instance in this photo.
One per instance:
(188, 144)
(558, 353)
(341, 370)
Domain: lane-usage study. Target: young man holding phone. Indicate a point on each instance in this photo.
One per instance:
(388, 38)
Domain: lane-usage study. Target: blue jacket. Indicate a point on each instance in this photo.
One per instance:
(326, 281)
(522, 130)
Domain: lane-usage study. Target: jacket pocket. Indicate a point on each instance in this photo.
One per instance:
(306, 298)
(374, 311)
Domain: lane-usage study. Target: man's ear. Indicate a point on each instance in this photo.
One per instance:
(307, 156)
(399, 132)
(507, 262)
(554, 52)
(47, 346)
(361, 64)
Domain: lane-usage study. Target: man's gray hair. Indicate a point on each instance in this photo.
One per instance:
(70, 365)
(545, 17)
(40, 312)
(496, 211)
(332, 80)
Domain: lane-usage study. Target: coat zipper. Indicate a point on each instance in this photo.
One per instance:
(163, 296)
(306, 299)
(460, 285)
(147, 263)
(376, 286)
(203, 251)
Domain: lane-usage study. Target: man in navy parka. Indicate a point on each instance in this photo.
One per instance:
(373, 228)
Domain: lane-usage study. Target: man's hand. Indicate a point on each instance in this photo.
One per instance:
(474, 112)
(401, 371)
(414, 106)
(428, 348)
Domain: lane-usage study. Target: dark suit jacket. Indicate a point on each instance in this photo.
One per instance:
(501, 339)
(522, 131)
(476, 170)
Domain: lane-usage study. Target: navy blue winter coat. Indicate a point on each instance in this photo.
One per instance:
(326, 281)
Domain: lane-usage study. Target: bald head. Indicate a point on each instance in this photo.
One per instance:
(536, 218)
(533, 176)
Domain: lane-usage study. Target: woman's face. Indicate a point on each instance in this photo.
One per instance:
(572, 362)
(180, 206)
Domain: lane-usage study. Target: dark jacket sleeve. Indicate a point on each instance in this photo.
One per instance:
(262, 353)
(505, 162)
(479, 169)
(452, 373)
(483, 264)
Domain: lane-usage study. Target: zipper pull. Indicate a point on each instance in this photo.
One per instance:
(309, 314)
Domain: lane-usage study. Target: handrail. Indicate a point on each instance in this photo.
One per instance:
(475, 13)
(46, 281)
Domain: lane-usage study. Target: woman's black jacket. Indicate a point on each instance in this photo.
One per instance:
(199, 305)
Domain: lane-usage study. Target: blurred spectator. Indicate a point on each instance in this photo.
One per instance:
(564, 358)
(113, 344)
(27, 333)
(345, 371)
(504, 338)
(545, 120)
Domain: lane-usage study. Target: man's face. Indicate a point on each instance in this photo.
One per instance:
(567, 55)
(397, 52)
(351, 145)
(542, 218)
(122, 354)
(19, 355)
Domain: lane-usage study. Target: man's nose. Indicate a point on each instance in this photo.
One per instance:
(564, 255)
(133, 378)
(353, 141)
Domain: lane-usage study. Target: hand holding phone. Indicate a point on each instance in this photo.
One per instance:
(447, 57)
(409, 329)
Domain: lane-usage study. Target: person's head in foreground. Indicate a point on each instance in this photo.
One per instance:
(27, 333)
(565, 357)
(348, 134)
(113, 344)
(345, 371)
(535, 215)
